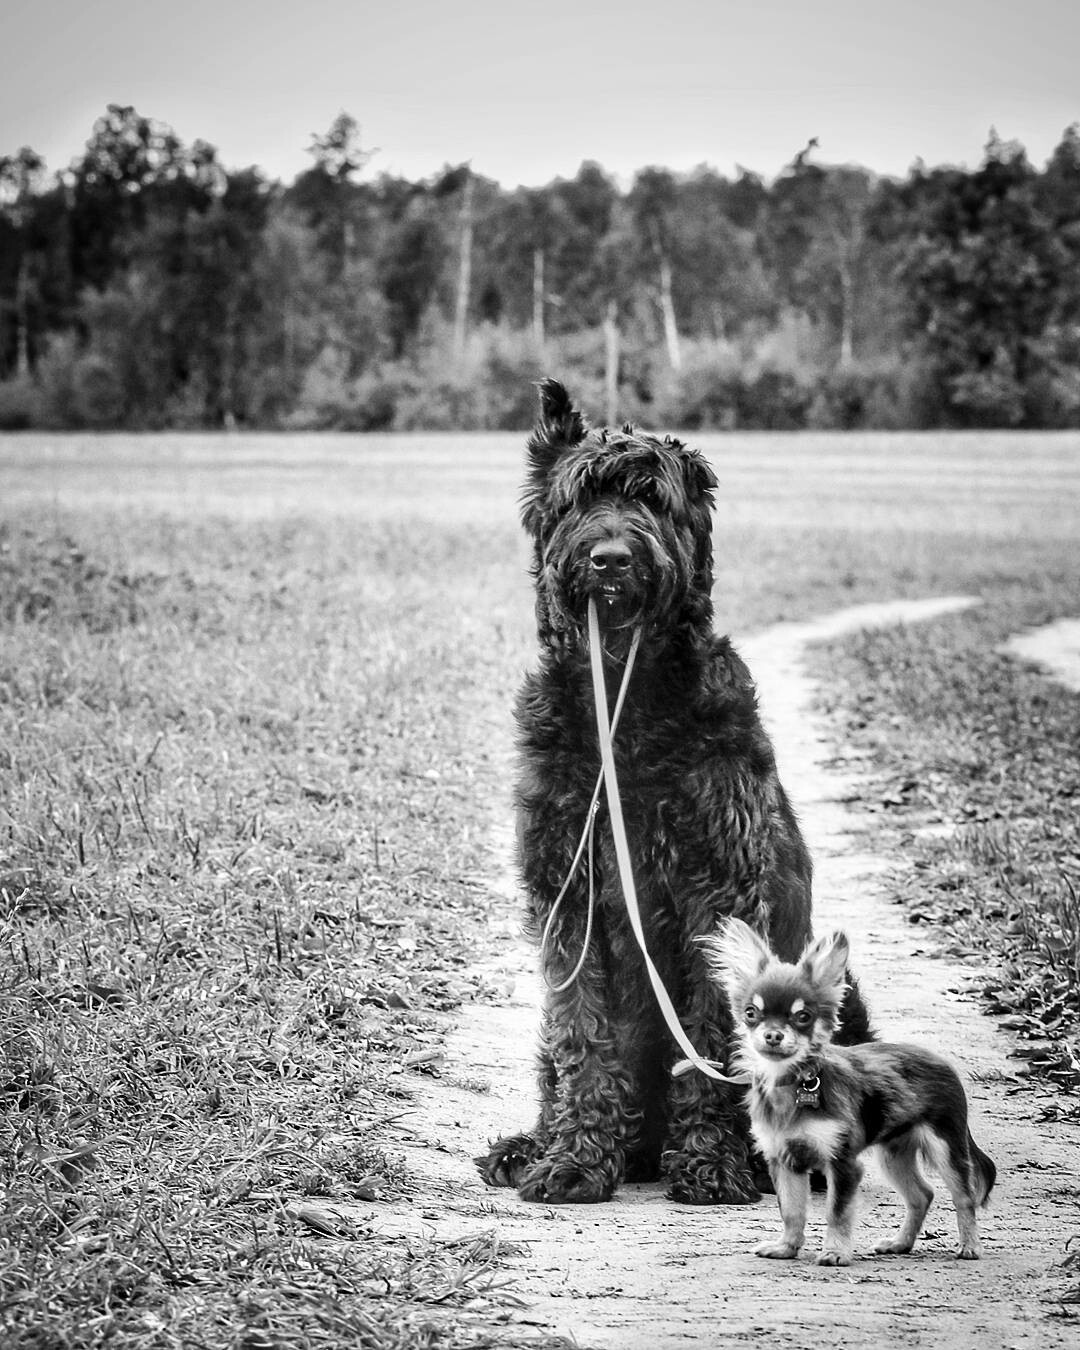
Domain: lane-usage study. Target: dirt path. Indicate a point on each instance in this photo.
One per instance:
(642, 1272)
(1056, 646)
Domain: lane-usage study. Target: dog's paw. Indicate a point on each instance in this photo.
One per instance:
(777, 1251)
(893, 1247)
(833, 1256)
(710, 1183)
(507, 1159)
(969, 1251)
(563, 1181)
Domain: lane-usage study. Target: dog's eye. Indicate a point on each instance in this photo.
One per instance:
(802, 1018)
(751, 1016)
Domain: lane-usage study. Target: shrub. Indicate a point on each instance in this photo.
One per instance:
(20, 404)
(853, 398)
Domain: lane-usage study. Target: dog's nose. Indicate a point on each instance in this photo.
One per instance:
(773, 1036)
(610, 558)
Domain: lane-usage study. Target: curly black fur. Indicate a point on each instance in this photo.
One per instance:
(626, 519)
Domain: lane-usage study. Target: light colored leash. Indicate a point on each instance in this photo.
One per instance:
(587, 836)
(622, 854)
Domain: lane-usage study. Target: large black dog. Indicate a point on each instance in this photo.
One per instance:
(625, 519)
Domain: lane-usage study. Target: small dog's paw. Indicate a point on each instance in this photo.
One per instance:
(507, 1159)
(893, 1247)
(970, 1251)
(777, 1251)
(833, 1256)
(562, 1181)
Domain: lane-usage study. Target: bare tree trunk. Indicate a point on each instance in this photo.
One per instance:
(287, 344)
(538, 297)
(228, 367)
(667, 308)
(461, 309)
(847, 315)
(611, 363)
(22, 319)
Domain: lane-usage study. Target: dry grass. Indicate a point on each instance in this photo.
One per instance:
(249, 763)
(975, 782)
(245, 804)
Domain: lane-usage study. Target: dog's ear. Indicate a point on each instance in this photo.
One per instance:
(736, 956)
(824, 963)
(700, 480)
(699, 483)
(559, 427)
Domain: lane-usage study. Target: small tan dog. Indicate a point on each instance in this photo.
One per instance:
(815, 1106)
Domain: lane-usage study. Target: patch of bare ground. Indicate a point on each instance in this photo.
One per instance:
(1053, 646)
(643, 1272)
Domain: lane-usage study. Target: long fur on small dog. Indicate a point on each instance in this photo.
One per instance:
(815, 1106)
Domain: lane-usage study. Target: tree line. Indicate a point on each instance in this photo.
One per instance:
(147, 287)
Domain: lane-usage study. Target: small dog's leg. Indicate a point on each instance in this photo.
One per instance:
(844, 1175)
(955, 1171)
(900, 1162)
(793, 1193)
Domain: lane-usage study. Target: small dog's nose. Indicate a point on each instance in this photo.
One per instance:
(610, 558)
(773, 1036)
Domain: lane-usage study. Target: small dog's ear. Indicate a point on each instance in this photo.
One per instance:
(559, 427)
(824, 963)
(736, 956)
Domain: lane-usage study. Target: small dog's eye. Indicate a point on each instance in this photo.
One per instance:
(802, 1018)
(751, 1015)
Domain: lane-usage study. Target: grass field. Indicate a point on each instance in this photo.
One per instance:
(254, 720)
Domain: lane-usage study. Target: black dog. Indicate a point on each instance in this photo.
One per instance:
(626, 519)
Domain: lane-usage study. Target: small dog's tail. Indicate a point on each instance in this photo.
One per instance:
(984, 1173)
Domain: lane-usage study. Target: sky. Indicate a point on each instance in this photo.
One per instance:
(525, 92)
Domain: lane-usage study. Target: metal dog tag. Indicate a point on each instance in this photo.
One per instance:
(808, 1092)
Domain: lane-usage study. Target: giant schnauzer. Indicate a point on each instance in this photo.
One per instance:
(625, 519)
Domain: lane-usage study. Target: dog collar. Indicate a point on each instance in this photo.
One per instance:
(807, 1085)
(808, 1090)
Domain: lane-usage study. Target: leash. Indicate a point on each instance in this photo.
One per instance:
(587, 837)
(622, 854)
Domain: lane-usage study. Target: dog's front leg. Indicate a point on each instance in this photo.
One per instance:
(844, 1174)
(793, 1193)
(708, 1158)
(593, 1113)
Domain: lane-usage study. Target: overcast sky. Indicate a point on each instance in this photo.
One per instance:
(527, 91)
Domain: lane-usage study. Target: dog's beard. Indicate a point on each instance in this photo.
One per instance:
(619, 604)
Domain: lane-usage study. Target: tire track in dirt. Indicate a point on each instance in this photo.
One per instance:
(643, 1272)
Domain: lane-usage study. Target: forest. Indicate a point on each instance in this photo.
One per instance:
(146, 286)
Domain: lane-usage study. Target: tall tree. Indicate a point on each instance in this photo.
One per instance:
(983, 266)
(21, 180)
(653, 200)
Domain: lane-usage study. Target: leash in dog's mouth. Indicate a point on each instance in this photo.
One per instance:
(587, 837)
(604, 730)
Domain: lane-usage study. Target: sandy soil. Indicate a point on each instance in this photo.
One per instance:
(643, 1272)
(1055, 646)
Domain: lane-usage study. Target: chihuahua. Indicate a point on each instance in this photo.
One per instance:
(815, 1106)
